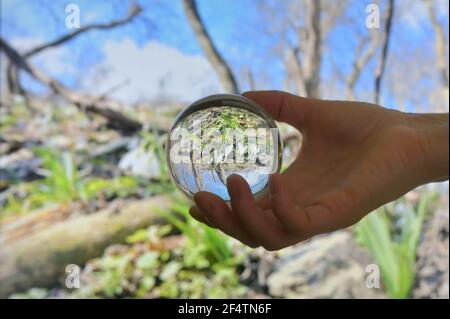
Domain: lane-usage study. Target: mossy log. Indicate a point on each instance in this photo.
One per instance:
(40, 259)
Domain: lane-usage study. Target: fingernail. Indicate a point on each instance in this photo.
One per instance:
(233, 191)
(203, 204)
(194, 211)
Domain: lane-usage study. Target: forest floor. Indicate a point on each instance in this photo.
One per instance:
(74, 191)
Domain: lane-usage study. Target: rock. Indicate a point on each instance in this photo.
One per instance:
(328, 266)
(255, 269)
(19, 165)
(432, 276)
(137, 162)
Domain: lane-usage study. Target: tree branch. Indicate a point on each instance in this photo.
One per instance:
(133, 12)
(298, 72)
(334, 11)
(84, 102)
(439, 44)
(223, 70)
(312, 51)
(360, 63)
(12, 73)
(248, 76)
(385, 46)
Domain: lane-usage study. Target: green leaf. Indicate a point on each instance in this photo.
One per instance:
(147, 283)
(170, 270)
(138, 236)
(148, 260)
(396, 258)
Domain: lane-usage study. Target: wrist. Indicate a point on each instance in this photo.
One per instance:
(431, 137)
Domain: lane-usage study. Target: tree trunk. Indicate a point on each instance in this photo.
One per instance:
(222, 69)
(379, 72)
(440, 41)
(361, 60)
(313, 52)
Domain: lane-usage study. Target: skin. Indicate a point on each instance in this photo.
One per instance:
(355, 157)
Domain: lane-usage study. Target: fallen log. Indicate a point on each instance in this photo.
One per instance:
(105, 108)
(40, 259)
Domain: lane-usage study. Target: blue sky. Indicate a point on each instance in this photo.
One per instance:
(175, 67)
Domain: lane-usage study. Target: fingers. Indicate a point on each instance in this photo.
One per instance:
(216, 212)
(275, 227)
(197, 214)
(284, 223)
(260, 225)
(282, 106)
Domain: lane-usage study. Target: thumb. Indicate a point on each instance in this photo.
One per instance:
(283, 106)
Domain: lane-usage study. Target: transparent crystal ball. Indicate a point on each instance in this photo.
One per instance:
(222, 135)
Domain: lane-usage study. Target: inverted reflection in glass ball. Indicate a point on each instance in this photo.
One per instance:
(219, 136)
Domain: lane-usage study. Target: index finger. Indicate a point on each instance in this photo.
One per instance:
(283, 106)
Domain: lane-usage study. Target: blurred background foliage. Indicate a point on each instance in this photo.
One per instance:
(84, 115)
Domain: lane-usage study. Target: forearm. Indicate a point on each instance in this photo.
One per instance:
(432, 136)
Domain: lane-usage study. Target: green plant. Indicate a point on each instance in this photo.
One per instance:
(33, 293)
(395, 253)
(214, 245)
(64, 183)
(157, 263)
(10, 116)
(153, 143)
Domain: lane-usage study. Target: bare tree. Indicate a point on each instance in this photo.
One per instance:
(379, 72)
(440, 41)
(205, 41)
(304, 58)
(366, 49)
(362, 58)
(94, 105)
(312, 52)
(247, 76)
(13, 81)
(307, 22)
(97, 105)
(295, 71)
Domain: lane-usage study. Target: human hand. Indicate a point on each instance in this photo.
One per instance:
(354, 158)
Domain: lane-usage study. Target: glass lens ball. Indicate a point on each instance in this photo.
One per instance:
(222, 135)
